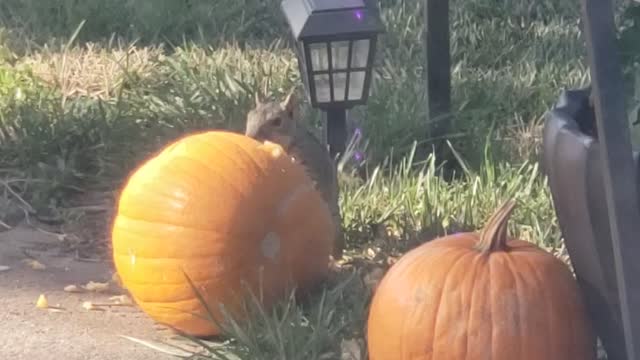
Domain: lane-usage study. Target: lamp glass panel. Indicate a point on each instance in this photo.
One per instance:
(340, 54)
(356, 85)
(360, 54)
(339, 86)
(319, 57)
(323, 90)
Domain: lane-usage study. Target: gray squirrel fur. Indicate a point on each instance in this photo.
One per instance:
(279, 123)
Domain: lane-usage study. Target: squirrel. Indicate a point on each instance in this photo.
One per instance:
(279, 123)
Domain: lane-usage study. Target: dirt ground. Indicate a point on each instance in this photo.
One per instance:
(35, 261)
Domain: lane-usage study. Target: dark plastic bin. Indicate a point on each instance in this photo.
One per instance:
(571, 160)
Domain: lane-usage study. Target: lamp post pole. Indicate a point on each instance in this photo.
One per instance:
(437, 70)
(336, 120)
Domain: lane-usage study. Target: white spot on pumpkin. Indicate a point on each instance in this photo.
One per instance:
(132, 258)
(270, 246)
(274, 149)
(276, 152)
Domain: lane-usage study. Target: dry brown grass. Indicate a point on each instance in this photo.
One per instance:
(524, 139)
(92, 70)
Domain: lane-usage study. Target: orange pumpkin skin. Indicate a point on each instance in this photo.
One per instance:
(227, 211)
(465, 297)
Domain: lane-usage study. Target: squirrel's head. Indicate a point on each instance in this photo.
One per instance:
(273, 121)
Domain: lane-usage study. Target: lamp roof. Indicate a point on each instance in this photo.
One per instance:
(324, 18)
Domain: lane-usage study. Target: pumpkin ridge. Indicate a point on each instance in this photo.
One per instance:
(183, 153)
(169, 309)
(462, 255)
(215, 172)
(512, 270)
(198, 282)
(476, 269)
(404, 269)
(165, 258)
(180, 284)
(177, 302)
(206, 232)
(126, 212)
(245, 154)
(180, 301)
(541, 284)
(168, 222)
(490, 322)
(236, 154)
(408, 318)
(219, 145)
(194, 255)
(567, 303)
(494, 235)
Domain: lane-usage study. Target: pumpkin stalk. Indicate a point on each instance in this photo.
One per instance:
(493, 236)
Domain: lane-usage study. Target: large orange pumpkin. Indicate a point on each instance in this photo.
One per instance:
(476, 296)
(227, 211)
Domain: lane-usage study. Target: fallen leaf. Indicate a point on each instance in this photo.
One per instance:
(34, 264)
(88, 305)
(96, 286)
(42, 302)
(72, 288)
(392, 233)
(4, 268)
(122, 299)
(371, 253)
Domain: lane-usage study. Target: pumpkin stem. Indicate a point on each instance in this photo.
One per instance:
(493, 236)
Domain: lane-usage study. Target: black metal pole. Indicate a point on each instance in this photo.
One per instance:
(336, 120)
(619, 176)
(437, 70)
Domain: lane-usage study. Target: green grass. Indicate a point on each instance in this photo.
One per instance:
(88, 89)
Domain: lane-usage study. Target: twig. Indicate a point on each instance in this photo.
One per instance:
(83, 259)
(17, 196)
(5, 225)
(27, 255)
(90, 208)
(58, 235)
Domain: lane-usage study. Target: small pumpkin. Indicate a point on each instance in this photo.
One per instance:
(227, 211)
(479, 295)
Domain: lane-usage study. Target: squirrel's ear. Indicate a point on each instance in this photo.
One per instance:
(289, 102)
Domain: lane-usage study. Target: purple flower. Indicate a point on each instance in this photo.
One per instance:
(358, 156)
